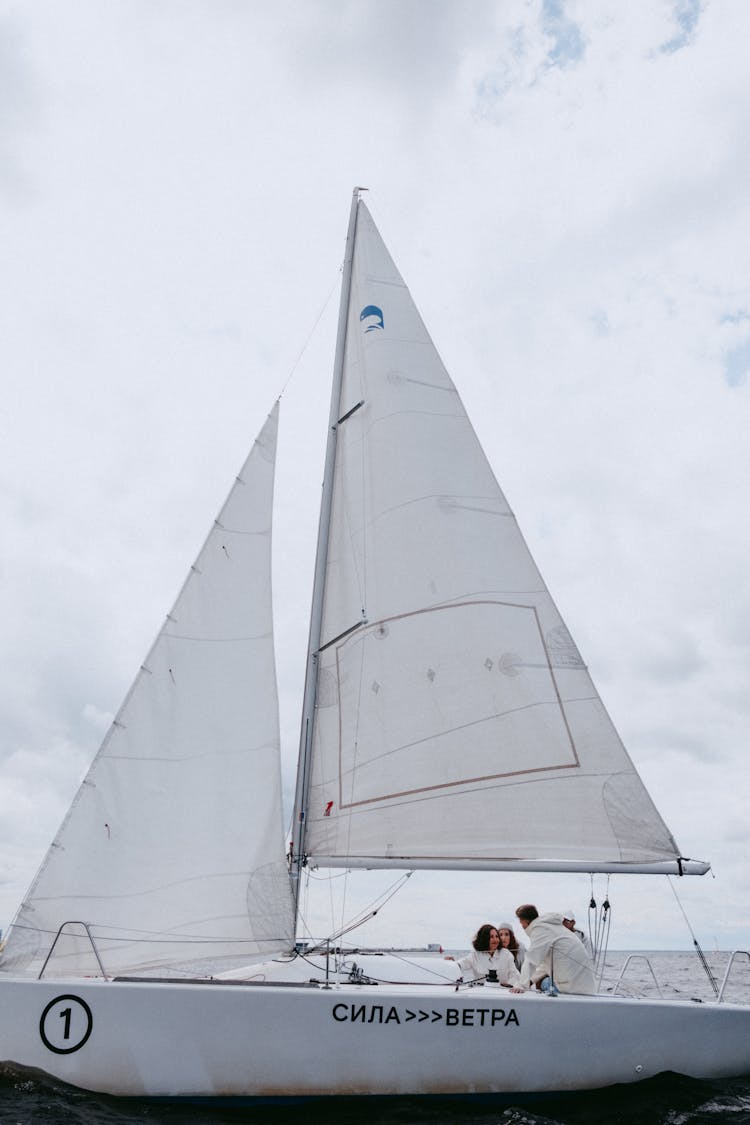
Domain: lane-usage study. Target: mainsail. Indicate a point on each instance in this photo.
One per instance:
(455, 722)
(172, 853)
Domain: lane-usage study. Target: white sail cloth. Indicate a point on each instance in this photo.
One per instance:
(456, 724)
(172, 852)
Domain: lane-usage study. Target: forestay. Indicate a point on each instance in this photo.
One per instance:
(173, 849)
(456, 723)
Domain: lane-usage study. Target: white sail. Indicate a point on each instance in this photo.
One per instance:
(456, 723)
(172, 853)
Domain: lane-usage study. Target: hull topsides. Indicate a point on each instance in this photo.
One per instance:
(240, 1040)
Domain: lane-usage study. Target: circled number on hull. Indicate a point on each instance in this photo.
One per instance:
(66, 1024)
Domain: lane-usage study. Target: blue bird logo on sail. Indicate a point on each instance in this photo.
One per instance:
(372, 318)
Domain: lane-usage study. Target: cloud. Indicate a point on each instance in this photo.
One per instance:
(528, 47)
(566, 200)
(737, 363)
(686, 15)
(20, 107)
(406, 53)
(568, 43)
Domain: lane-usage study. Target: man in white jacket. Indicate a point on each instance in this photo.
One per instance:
(555, 952)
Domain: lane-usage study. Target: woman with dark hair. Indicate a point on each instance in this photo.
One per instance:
(488, 957)
(509, 941)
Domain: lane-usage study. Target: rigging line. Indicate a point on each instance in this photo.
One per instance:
(364, 493)
(331, 901)
(604, 928)
(311, 333)
(363, 593)
(698, 950)
(384, 897)
(369, 911)
(341, 967)
(360, 570)
(169, 939)
(328, 878)
(304, 910)
(410, 961)
(350, 813)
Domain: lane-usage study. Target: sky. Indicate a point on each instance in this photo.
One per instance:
(563, 186)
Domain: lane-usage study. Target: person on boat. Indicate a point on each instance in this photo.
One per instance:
(569, 921)
(509, 941)
(554, 953)
(488, 957)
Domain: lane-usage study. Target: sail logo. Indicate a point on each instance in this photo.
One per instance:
(371, 318)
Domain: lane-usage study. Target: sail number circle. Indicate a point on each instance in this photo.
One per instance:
(66, 1024)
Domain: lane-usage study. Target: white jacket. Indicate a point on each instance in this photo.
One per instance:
(478, 963)
(556, 952)
(586, 943)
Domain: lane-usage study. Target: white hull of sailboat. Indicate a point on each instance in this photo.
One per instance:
(269, 1041)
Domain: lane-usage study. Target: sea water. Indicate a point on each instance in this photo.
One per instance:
(31, 1099)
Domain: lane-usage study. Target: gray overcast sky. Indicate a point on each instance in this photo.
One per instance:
(564, 186)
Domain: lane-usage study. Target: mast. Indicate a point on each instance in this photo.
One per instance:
(321, 559)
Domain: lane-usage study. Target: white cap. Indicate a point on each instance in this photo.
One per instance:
(569, 915)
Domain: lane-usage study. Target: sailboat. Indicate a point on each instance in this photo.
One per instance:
(448, 722)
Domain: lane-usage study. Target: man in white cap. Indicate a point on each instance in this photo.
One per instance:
(569, 921)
